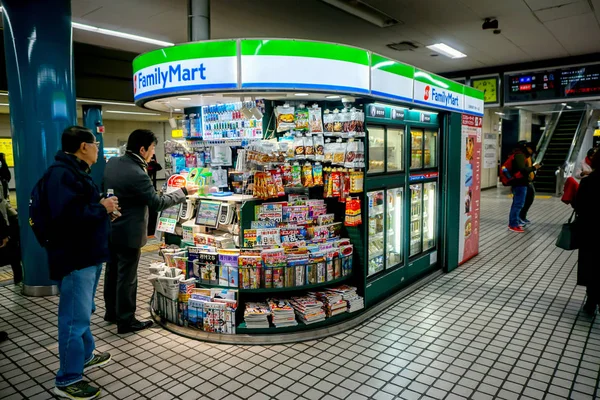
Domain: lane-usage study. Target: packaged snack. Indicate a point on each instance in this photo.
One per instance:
(356, 181)
(299, 147)
(317, 173)
(325, 219)
(339, 153)
(319, 145)
(315, 121)
(287, 175)
(328, 150)
(277, 179)
(353, 214)
(351, 154)
(307, 177)
(346, 120)
(337, 121)
(336, 183)
(309, 148)
(345, 186)
(296, 175)
(271, 187)
(302, 116)
(360, 121)
(285, 118)
(328, 121)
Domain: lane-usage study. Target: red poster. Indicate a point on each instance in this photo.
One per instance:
(470, 187)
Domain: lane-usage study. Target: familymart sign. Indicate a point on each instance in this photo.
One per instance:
(276, 64)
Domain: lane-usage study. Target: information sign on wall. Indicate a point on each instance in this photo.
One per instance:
(7, 148)
(470, 187)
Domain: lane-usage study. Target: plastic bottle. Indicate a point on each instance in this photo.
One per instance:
(110, 193)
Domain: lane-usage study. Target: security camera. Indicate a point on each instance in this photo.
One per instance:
(497, 31)
(490, 23)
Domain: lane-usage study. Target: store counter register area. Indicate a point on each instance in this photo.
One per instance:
(269, 242)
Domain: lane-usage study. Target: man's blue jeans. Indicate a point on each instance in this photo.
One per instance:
(519, 196)
(75, 341)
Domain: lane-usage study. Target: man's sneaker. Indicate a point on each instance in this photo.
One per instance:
(77, 391)
(99, 360)
(517, 229)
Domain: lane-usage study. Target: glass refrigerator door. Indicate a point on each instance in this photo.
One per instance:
(376, 231)
(429, 215)
(416, 218)
(395, 145)
(394, 227)
(416, 148)
(376, 149)
(430, 149)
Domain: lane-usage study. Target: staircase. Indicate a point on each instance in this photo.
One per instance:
(558, 150)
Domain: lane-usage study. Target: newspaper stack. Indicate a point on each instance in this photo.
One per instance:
(348, 293)
(334, 303)
(282, 313)
(308, 309)
(256, 315)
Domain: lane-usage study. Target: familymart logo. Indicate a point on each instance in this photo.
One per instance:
(169, 75)
(442, 97)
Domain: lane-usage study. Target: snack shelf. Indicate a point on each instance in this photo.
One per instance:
(241, 328)
(278, 290)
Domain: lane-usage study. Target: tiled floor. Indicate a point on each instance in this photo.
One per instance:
(506, 325)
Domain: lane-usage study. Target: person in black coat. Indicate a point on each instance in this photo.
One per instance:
(5, 176)
(586, 206)
(77, 228)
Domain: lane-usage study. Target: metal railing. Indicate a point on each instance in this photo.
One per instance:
(566, 169)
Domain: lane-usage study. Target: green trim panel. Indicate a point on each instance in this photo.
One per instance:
(188, 51)
(436, 80)
(392, 66)
(301, 48)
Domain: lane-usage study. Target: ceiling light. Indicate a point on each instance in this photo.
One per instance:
(177, 109)
(114, 103)
(332, 97)
(4, 104)
(563, 104)
(301, 94)
(184, 98)
(4, 94)
(364, 11)
(123, 35)
(446, 50)
(130, 112)
(499, 113)
(569, 107)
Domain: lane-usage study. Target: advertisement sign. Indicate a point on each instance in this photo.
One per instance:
(189, 67)
(7, 148)
(490, 151)
(438, 92)
(470, 188)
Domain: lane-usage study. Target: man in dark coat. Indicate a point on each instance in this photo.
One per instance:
(78, 226)
(588, 220)
(127, 176)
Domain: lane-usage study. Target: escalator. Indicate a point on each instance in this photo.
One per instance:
(557, 150)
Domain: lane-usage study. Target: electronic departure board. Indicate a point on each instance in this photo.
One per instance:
(553, 84)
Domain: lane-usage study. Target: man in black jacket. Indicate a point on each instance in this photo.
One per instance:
(79, 224)
(127, 176)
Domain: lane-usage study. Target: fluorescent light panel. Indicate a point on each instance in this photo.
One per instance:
(106, 102)
(130, 112)
(110, 32)
(446, 50)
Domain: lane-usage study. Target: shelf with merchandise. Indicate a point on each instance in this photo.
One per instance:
(282, 289)
(242, 329)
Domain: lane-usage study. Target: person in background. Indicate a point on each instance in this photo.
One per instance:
(529, 151)
(153, 168)
(585, 168)
(519, 186)
(10, 241)
(78, 225)
(5, 176)
(587, 222)
(127, 176)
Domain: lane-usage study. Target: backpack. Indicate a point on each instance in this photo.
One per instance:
(39, 212)
(506, 176)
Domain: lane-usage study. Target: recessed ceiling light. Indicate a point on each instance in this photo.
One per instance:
(446, 50)
(569, 107)
(123, 35)
(130, 112)
(114, 103)
(332, 97)
(177, 109)
(184, 98)
(499, 113)
(4, 104)
(301, 94)
(563, 104)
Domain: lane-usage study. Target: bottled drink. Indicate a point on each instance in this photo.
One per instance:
(110, 193)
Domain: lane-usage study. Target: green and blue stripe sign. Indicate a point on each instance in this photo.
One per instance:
(294, 65)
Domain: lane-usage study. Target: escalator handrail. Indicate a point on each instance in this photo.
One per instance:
(546, 138)
(566, 169)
